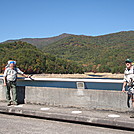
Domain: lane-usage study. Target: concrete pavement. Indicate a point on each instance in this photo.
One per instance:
(94, 117)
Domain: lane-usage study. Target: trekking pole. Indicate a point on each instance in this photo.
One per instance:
(30, 77)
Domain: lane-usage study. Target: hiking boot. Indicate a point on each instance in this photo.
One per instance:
(132, 113)
(15, 103)
(132, 116)
(9, 104)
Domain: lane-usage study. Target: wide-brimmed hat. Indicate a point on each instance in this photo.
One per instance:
(11, 62)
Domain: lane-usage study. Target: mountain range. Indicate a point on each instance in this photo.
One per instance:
(41, 42)
(105, 53)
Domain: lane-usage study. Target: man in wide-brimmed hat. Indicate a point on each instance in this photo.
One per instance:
(10, 78)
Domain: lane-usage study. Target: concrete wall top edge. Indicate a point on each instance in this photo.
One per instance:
(72, 80)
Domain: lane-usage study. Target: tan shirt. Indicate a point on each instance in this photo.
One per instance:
(128, 74)
(11, 74)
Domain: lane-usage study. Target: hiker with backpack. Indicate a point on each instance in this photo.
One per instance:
(129, 82)
(10, 78)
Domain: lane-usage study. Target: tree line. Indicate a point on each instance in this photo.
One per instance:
(32, 60)
(73, 53)
(105, 53)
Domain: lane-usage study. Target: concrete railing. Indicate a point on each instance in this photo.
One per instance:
(100, 84)
(80, 93)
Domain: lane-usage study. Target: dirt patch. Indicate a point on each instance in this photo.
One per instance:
(85, 75)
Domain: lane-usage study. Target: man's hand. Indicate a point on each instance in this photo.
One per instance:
(123, 89)
(4, 84)
(26, 76)
(29, 76)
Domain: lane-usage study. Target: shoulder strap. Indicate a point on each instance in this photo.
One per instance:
(15, 69)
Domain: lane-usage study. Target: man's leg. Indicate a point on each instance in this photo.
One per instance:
(132, 97)
(14, 93)
(133, 101)
(8, 97)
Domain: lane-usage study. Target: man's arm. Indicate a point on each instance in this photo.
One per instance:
(124, 85)
(4, 78)
(22, 73)
(27, 76)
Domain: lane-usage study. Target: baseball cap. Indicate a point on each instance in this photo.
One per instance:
(129, 60)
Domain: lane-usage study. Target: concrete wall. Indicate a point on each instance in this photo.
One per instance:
(81, 98)
(70, 97)
(2, 92)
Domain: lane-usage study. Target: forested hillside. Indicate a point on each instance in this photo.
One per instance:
(105, 53)
(32, 60)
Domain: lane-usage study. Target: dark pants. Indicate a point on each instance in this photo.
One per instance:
(11, 88)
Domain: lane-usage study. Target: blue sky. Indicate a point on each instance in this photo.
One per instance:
(48, 18)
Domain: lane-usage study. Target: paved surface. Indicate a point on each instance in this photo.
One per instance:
(10, 124)
(95, 117)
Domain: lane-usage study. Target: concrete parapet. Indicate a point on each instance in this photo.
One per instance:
(80, 98)
(68, 97)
